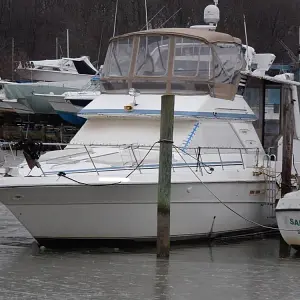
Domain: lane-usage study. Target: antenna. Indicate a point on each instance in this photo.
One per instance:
(146, 13)
(100, 46)
(115, 22)
(246, 37)
(170, 17)
(154, 17)
(290, 53)
(56, 47)
(68, 45)
(12, 58)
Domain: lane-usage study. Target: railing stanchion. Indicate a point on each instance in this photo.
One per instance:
(220, 159)
(91, 159)
(242, 158)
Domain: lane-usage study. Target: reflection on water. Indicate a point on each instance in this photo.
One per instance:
(162, 288)
(244, 271)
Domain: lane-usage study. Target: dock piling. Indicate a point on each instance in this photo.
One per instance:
(164, 180)
(287, 153)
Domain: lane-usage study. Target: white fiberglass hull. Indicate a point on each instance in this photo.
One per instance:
(29, 93)
(48, 76)
(288, 218)
(4, 107)
(70, 213)
(18, 106)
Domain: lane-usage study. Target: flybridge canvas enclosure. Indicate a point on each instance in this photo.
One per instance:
(178, 61)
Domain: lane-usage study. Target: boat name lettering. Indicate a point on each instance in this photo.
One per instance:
(294, 222)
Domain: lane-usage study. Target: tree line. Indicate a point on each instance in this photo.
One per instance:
(35, 24)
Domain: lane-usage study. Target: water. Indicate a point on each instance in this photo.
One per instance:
(241, 271)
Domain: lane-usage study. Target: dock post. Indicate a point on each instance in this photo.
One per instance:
(164, 179)
(287, 153)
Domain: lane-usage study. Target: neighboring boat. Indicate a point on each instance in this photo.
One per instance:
(106, 191)
(48, 76)
(288, 218)
(64, 69)
(69, 104)
(16, 106)
(4, 107)
(288, 207)
(28, 93)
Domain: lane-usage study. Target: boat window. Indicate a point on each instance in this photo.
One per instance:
(152, 58)
(192, 58)
(118, 58)
(48, 68)
(228, 62)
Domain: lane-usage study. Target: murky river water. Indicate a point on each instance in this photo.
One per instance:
(244, 271)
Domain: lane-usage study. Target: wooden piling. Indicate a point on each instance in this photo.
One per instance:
(287, 153)
(164, 180)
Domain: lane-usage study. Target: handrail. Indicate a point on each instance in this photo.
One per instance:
(195, 154)
(124, 144)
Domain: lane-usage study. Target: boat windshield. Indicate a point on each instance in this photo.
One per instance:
(118, 58)
(229, 61)
(154, 63)
(152, 57)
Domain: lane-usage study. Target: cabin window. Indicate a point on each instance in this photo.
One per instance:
(152, 58)
(228, 62)
(46, 68)
(192, 58)
(118, 58)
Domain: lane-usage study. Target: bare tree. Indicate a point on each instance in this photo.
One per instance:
(35, 24)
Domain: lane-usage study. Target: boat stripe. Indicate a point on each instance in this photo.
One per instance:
(215, 115)
(150, 166)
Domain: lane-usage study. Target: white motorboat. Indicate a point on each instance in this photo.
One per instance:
(47, 76)
(51, 70)
(103, 186)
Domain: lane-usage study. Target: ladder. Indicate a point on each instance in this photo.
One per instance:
(271, 189)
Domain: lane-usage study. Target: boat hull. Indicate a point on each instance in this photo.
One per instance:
(289, 228)
(71, 118)
(48, 76)
(25, 93)
(288, 219)
(60, 104)
(69, 215)
(19, 106)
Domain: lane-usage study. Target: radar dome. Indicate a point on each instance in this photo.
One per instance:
(211, 14)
